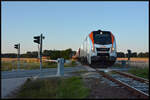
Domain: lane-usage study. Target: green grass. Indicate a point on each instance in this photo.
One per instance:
(9, 65)
(72, 64)
(54, 88)
(136, 70)
(141, 72)
(80, 71)
(23, 65)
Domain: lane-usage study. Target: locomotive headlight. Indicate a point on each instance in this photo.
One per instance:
(93, 49)
(112, 49)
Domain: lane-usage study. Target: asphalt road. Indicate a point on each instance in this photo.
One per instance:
(9, 85)
(35, 72)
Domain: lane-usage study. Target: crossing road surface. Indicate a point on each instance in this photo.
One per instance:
(32, 73)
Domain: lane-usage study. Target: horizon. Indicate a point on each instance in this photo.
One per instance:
(73, 50)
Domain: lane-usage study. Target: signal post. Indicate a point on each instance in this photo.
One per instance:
(38, 40)
(17, 46)
(129, 55)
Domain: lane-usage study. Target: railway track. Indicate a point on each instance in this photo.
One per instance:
(136, 85)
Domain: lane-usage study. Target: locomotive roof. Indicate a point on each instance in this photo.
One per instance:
(100, 31)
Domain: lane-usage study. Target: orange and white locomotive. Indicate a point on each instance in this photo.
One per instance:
(98, 46)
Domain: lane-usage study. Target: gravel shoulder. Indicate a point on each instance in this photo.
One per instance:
(102, 88)
(105, 91)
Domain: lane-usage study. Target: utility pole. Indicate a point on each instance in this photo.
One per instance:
(41, 52)
(17, 46)
(129, 55)
(41, 45)
(19, 57)
(38, 51)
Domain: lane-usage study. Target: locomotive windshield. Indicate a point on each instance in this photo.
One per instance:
(102, 38)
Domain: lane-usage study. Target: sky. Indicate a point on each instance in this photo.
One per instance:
(65, 24)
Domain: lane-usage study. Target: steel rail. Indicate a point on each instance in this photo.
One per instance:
(133, 76)
(132, 89)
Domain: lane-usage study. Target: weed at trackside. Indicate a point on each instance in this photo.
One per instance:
(135, 70)
(54, 88)
(141, 72)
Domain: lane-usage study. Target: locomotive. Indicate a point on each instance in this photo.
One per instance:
(99, 47)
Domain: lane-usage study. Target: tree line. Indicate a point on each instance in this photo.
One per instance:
(66, 54)
(134, 54)
(54, 54)
(51, 54)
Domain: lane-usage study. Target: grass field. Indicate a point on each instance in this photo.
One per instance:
(136, 70)
(21, 59)
(9, 65)
(54, 88)
(36, 60)
(141, 72)
(135, 59)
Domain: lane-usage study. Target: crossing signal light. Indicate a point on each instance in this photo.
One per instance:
(129, 51)
(37, 39)
(129, 54)
(16, 46)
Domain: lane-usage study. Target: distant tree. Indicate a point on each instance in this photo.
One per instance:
(55, 54)
(134, 54)
(23, 55)
(46, 52)
(52, 54)
(120, 54)
(34, 54)
(9, 55)
(68, 53)
(147, 54)
(141, 54)
(126, 54)
(29, 54)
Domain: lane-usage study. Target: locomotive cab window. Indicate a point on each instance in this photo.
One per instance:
(102, 38)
